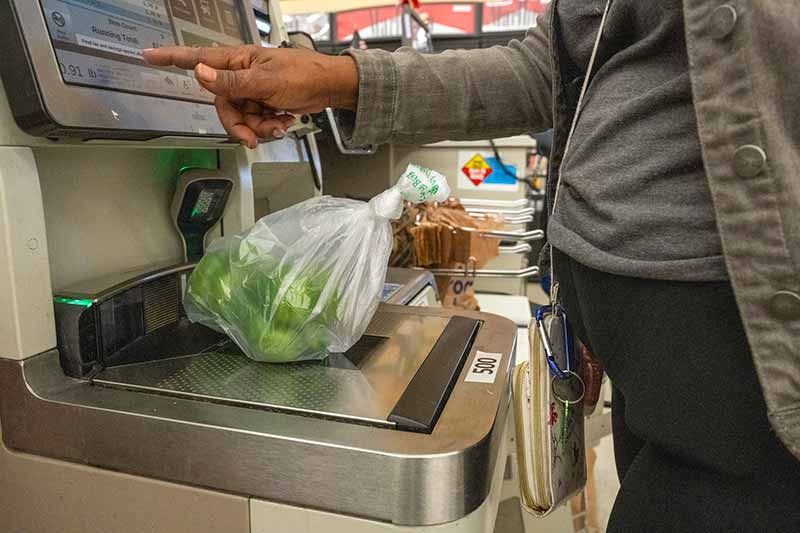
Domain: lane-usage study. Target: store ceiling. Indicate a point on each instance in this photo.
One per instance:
(293, 7)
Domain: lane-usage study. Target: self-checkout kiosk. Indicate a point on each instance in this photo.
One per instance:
(117, 414)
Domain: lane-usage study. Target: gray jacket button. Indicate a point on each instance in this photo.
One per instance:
(785, 305)
(722, 21)
(749, 160)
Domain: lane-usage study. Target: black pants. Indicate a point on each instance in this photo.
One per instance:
(693, 446)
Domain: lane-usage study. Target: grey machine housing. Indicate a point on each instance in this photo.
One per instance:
(391, 431)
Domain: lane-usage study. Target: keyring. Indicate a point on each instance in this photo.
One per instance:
(568, 388)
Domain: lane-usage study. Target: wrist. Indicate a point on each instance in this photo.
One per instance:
(344, 83)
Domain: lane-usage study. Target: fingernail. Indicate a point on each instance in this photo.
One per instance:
(279, 133)
(148, 49)
(206, 73)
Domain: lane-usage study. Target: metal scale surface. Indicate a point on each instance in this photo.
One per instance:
(363, 385)
(393, 430)
(333, 436)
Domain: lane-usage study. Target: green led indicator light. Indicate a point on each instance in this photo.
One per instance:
(73, 301)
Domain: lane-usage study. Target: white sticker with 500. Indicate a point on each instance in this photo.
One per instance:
(484, 367)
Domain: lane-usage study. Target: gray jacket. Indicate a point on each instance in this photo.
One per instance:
(745, 72)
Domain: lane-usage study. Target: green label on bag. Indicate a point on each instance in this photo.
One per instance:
(418, 185)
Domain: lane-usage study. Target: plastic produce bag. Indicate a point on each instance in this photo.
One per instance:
(305, 281)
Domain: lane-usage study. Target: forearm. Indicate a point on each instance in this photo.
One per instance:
(477, 94)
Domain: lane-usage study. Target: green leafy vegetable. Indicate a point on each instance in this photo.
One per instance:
(266, 306)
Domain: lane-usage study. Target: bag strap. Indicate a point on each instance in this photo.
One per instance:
(586, 79)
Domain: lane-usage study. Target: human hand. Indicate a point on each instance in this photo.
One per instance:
(255, 87)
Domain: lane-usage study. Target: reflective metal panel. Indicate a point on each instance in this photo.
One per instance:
(401, 477)
(365, 389)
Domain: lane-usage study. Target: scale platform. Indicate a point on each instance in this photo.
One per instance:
(397, 376)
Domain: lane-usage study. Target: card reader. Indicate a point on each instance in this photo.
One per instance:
(198, 205)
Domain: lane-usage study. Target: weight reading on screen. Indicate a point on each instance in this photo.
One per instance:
(100, 43)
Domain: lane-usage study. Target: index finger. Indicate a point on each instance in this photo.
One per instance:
(187, 57)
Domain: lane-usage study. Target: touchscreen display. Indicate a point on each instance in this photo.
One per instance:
(99, 43)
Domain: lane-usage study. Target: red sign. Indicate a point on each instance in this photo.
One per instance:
(500, 9)
(451, 18)
(477, 170)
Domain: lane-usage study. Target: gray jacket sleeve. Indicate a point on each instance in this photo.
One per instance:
(456, 95)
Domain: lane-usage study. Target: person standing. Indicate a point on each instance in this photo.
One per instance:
(677, 234)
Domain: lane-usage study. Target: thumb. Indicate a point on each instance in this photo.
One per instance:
(231, 84)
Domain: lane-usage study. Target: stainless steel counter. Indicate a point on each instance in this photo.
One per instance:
(357, 469)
